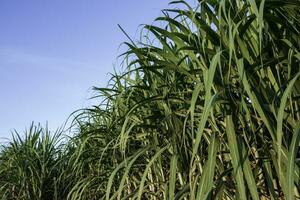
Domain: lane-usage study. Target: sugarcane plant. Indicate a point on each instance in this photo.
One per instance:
(207, 107)
(30, 165)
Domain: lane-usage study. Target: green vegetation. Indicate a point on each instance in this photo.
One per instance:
(208, 107)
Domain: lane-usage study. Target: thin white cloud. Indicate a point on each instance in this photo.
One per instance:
(14, 57)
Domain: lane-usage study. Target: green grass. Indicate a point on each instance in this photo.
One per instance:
(30, 165)
(208, 107)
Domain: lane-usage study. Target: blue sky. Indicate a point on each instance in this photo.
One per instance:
(52, 52)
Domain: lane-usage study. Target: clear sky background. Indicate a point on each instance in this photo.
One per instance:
(53, 51)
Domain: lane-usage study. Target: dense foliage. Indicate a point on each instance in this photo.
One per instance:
(208, 107)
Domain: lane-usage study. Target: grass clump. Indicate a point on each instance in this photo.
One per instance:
(30, 165)
(207, 108)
